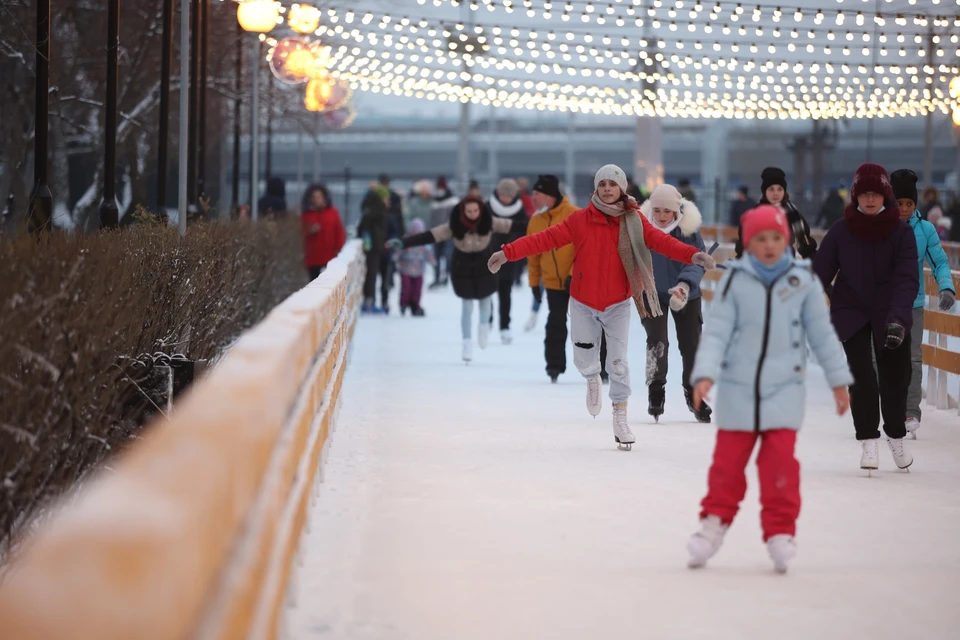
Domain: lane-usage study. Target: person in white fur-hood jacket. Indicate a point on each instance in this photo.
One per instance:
(678, 285)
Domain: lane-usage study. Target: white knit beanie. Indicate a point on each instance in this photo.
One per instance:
(611, 172)
(666, 197)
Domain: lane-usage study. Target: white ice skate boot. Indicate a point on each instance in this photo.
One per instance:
(467, 350)
(594, 393)
(782, 548)
(483, 335)
(870, 459)
(531, 323)
(505, 336)
(705, 543)
(913, 425)
(621, 430)
(901, 456)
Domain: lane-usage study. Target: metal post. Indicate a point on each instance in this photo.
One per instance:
(316, 151)
(570, 156)
(109, 211)
(928, 125)
(166, 59)
(184, 115)
(493, 164)
(346, 192)
(41, 201)
(202, 98)
(463, 148)
(237, 115)
(193, 52)
(299, 190)
(255, 132)
(269, 158)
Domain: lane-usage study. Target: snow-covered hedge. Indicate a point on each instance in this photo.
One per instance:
(77, 311)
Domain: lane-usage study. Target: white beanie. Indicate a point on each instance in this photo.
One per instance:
(611, 172)
(666, 197)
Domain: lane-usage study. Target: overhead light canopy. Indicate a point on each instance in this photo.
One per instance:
(258, 16)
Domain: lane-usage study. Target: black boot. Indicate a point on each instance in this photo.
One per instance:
(704, 413)
(554, 374)
(657, 398)
(417, 312)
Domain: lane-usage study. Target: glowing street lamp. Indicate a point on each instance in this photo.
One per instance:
(256, 16)
(304, 19)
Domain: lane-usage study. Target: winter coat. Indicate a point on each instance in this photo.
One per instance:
(929, 249)
(374, 222)
(514, 212)
(323, 236)
(599, 279)
(469, 274)
(274, 202)
(874, 260)
(801, 242)
(443, 204)
(737, 209)
(396, 225)
(419, 208)
(831, 210)
(754, 347)
(413, 261)
(552, 267)
(668, 273)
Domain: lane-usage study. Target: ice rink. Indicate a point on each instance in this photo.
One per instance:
(479, 502)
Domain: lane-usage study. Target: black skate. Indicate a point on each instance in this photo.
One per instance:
(704, 413)
(554, 375)
(657, 398)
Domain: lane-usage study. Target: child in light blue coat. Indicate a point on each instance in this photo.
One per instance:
(768, 306)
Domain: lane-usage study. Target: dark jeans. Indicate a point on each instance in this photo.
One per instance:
(689, 322)
(870, 398)
(378, 264)
(555, 343)
(314, 272)
(508, 275)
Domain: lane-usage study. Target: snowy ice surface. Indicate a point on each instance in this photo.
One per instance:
(475, 502)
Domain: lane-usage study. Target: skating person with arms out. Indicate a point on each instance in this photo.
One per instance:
(872, 254)
(768, 306)
(612, 265)
(904, 183)
(471, 228)
(678, 286)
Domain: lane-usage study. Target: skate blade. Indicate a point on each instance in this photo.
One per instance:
(780, 571)
(623, 446)
(693, 564)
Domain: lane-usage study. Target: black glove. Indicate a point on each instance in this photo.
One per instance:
(538, 295)
(947, 298)
(895, 335)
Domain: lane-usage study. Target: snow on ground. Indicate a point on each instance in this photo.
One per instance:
(476, 502)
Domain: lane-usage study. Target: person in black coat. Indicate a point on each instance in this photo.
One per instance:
(774, 188)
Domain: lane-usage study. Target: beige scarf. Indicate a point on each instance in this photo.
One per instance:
(636, 258)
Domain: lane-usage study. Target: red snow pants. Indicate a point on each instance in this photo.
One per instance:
(779, 474)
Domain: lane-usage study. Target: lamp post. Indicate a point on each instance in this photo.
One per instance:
(166, 59)
(184, 115)
(109, 211)
(41, 201)
(256, 16)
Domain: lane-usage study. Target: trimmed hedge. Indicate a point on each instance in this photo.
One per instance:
(83, 317)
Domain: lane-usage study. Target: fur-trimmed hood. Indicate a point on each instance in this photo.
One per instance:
(689, 218)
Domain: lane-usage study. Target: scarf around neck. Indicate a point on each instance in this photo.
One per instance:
(634, 254)
(871, 228)
(770, 273)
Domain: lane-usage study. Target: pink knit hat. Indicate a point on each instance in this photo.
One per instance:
(766, 217)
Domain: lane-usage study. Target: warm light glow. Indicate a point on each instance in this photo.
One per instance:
(318, 94)
(293, 61)
(956, 116)
(304, 19)
(955, 87)
(258, 16)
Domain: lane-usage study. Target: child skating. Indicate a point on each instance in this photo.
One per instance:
(768, 306)
(904, 182)
(612, 264)
(471, 228)
(411, 263)
(678, 286)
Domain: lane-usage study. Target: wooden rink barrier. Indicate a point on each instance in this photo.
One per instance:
(193, 532)
(940, 326)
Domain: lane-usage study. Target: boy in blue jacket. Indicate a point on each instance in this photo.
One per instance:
(904, 183)
(768, 307)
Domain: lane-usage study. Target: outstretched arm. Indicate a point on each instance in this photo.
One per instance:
(557, 236)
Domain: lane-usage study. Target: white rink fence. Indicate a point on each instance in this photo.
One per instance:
(193, 532)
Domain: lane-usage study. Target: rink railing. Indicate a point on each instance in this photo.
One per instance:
(939, 327)
(192, 533)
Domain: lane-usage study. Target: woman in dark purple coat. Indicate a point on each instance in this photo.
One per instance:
(873, 255)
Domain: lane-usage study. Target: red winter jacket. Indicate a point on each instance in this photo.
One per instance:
(323, 236)
(599, 279)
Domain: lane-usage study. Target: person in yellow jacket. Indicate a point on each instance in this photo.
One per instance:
(553, 270)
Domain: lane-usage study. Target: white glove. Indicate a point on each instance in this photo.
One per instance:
(679, 296)
(704, 260)
(496, 261)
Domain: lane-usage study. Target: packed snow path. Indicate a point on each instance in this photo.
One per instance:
(480, 501)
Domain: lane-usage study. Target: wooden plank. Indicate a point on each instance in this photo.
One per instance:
(932, 286)
(941, 358)
(940, 322)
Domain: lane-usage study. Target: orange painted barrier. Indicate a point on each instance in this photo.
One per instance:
(193, 532)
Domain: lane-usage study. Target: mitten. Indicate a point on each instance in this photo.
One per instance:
(895, 335)
(947, 298)
(704, 260)
(679, 296)
(395, 243)
(367, 244)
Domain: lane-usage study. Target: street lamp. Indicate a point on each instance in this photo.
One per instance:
(256, 16)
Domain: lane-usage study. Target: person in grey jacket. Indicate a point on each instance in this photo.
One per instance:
(678, 285)
(768, 307)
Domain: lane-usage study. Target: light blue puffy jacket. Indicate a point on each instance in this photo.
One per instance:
(754, 347)
(929, 249)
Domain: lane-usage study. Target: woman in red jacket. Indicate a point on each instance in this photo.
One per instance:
(612, 264)
(323, 232)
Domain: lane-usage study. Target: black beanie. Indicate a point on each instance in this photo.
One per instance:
(549, 185)
(904, 183)
(770, 177)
